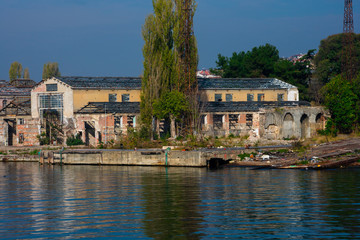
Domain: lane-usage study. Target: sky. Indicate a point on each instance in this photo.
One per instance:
(103, 37)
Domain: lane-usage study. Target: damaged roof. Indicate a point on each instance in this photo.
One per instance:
(8, 90)
(17, 109)
(110, 107)
(243, 83)
(102, 82)
(247, 106)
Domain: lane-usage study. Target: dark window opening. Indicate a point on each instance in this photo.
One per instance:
(261, 97)
(112, 97)
(218, 97)
(21, 121)
(233, 121)
(280, 97)
(125, 98)
(131, 121)
(21, 138)
(249, 120)
(51, 87)
(218, 122)
(250, 97)
(229, 97)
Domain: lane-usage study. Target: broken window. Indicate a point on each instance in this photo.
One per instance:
(280, 97)
(218, 122)
(21, 138)
(233, 121)
(51, 87)
(51, 103)
(218, 97)
(229, 97)
(250, 97)
(125, 98)
(131, 121)
(249, 120)
(112, 97)
(261, 97)
(118, 124)
(20, 121)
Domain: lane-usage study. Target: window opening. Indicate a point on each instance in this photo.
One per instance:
(249, 120)
(250, 97)
(218, 122)
(125, 98)
(112, 97)
(229, 97)
(51, 87)
(218, 97)
(261, 97)
(233, 121)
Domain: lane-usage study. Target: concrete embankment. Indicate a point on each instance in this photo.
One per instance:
(127, 157)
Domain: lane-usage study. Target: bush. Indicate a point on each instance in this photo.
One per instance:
(43, 139)
(74, 140)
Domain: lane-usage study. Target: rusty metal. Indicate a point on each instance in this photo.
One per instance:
(348, 67)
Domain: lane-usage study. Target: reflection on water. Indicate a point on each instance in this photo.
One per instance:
(177, 203)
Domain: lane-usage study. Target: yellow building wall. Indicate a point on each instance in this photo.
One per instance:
(241, 95)
(83, 97)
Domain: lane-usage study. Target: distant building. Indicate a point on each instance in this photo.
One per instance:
(205, 73)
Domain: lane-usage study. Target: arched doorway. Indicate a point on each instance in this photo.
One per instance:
(288, 126)
(305, 126)
(320, 122)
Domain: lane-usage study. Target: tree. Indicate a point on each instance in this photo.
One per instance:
(328, 60)
(342, 102)
(26, 73)
(15, 71)
(51, 69)
(163, 55)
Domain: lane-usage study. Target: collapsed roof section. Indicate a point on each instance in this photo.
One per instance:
(17, 109)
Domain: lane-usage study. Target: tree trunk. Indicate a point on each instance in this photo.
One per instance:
(172, 126)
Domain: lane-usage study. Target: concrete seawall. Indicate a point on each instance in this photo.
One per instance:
(126, 157)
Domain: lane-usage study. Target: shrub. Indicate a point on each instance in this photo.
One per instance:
(74, 140)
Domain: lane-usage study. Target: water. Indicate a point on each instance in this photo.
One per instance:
(70, 202)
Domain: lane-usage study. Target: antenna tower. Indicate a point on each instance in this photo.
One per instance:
(348, 41)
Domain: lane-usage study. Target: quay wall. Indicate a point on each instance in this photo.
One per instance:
(131, 158)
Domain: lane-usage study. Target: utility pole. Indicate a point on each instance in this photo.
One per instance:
(348, 67)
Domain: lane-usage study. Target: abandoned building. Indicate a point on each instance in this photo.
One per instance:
(100, 109)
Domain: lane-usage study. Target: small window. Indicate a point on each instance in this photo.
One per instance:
(125, 98)
(280, 97)
(233, 121)
(21, 121)
(229, 97)
(218, 122)
(261, 97)
(112, 97)
(249, 120)
(218, 97)
(51, 87)
(21, 138)
(250, 97)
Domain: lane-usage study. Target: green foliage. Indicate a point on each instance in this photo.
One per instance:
(43, 139)
(34, 152)
(15, 71)
(74, 140)
(328, 59)
(303, 162)
(264, 61)
(51, 69)
(341, 101)
(171, 104)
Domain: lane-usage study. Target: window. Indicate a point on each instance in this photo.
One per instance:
(229, 97)
(4, 102)
(250, 97)
(233, 121)
(112, 97)
(280, 97)
(21, 138)
(249, 120)
(125, 98)
(261, 97)
(218, 122)
(218, 97)
(21, 121)
(51, 87)
(131, 121)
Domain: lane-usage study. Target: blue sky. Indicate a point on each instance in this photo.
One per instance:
(103, 37)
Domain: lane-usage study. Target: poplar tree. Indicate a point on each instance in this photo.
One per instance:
(15, 71)
(51, 69)
(162, 51)
(26, 73)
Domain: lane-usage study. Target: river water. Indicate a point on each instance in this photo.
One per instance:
(70, 202)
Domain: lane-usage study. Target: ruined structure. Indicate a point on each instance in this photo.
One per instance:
(100, 109)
